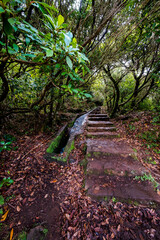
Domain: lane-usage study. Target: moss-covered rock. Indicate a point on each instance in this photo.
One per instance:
(56, 142)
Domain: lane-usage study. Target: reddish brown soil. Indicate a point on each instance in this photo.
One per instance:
(35, 198)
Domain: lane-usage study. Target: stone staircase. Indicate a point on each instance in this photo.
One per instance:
(113, 169)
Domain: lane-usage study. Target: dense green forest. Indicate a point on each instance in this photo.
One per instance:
(58, 55)
(92, 61)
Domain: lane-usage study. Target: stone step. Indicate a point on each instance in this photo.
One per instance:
(99, 124)
(98, 118)
(101, 129)
(108, 146)
(100, 187)
(114, 164)
(97, 115)
(107, 135)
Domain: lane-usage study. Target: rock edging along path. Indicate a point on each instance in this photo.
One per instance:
(113, 169)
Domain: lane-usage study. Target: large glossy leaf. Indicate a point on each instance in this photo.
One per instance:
(49, 53)
(7, 27)
(48, 6)
(12, 22)
(74, 42)
(50, 19)
(27, 40)
(41, 8)
(87, 95)
(83, 57)
(15, 46)
(11, 50)
(60, 20)
(68, 38)
(1, 10)
(69, 62)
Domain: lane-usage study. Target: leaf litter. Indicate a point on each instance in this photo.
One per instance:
(53, 195)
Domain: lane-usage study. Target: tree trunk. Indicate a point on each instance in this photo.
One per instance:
(50, 116)
(117, 92)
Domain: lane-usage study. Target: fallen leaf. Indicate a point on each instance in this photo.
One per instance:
(53, 181)
(46, 196)
(53, 196)
(24, 200)
(67, 216)
(4, 216)
(18, 209)
(31, 199)
(11, 234)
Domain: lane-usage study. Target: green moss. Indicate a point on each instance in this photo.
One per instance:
(71, 124)
(96, 154)
(88, 155)
(54, 144)
(59, 159)
(22, 236)
(72, 146)
(68, 149)
(84, 163)
(106, 199)
(85, 148)
(108, 172)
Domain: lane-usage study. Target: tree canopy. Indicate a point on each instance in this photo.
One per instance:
(54, 52)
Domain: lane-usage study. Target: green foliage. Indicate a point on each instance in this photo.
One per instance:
(151, 137)
(45, 231)
(151, 161)
(156, 119)
(132, 127)
(22, 236)
(147, 104)
(147, 177)
(5, 146)
(51, 50)
(6, 182)
(7, 142)
(59, 159)
(1, 200)
(84, 163)
(114, 200)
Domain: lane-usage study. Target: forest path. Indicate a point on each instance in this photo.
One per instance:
(113, 170)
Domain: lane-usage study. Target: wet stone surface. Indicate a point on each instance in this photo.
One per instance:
(112, 165)
(107, 134)
(99, 123)
(120, 187)
(115, 164)
(108, 146)
(101, 129)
